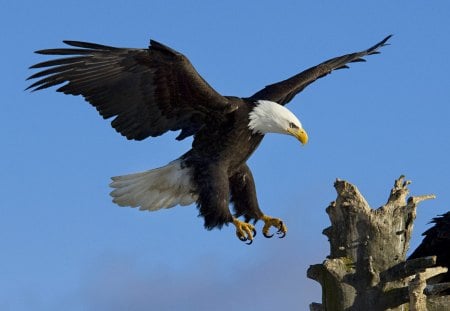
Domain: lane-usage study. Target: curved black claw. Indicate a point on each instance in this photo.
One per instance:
(267, 235)
(283, 234)
(280, 227)
(280, 231)
(244, 231)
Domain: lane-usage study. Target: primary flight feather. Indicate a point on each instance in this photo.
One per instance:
(150, 91)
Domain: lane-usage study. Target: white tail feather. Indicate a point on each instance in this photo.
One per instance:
(155, 189)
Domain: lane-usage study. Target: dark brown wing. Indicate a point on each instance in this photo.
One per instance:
(148, 91)
(283, 92)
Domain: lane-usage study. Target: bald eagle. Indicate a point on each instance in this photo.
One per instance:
(150, 91)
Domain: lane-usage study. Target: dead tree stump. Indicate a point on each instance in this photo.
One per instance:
(366, 268)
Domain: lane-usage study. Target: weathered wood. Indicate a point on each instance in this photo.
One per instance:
(366, 268)
(417, 298)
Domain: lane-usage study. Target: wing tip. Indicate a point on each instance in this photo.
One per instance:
(90, 45)
(84, 47)
(373, 49)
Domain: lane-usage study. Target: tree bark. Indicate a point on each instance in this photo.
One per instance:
(417, 298)
(366, 268)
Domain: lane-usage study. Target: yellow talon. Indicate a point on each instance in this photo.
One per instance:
(244, 230)
(273, 222)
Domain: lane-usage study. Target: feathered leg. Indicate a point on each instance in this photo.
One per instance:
(245, 202)
(243, 195)
(213, 195)
(213, 201)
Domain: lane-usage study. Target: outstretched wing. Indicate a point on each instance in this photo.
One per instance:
(283, 92)
(148, 91)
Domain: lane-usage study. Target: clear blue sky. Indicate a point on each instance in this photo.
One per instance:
(66, 246)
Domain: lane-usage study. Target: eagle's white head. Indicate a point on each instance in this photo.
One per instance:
(270, 117)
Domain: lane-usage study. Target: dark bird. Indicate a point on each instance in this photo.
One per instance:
(436, 242)
(150, 91)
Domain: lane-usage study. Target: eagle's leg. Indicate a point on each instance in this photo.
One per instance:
(213, 195)
(213, 199)
(243, 197)
(244, 230)
(243, 194)
(273, 222)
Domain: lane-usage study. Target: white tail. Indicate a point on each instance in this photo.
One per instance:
(152, 190)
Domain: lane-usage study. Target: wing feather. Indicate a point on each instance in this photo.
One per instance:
(148, 91)
(283, 92)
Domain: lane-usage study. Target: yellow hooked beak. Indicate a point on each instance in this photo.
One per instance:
(300, 134)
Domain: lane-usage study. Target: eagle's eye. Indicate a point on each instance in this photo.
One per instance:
(293, 126)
